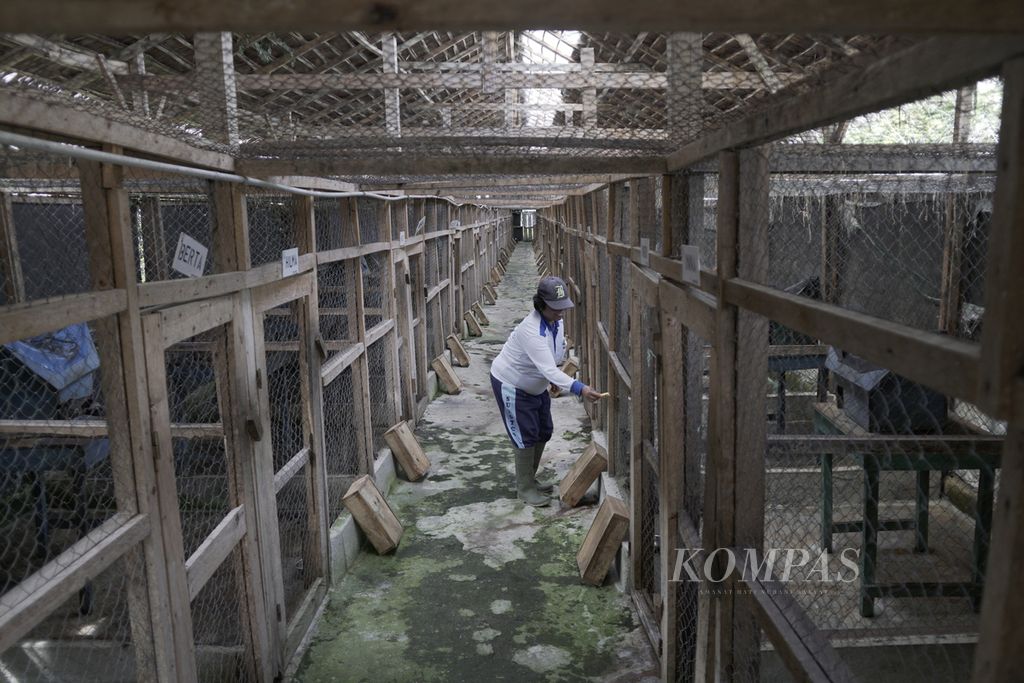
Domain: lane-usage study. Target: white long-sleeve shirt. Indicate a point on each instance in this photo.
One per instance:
(530, 357)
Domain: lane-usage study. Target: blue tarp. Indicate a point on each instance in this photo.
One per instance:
(65, 359)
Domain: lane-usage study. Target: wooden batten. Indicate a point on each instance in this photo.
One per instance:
(481, 317)
(461, 358)
(472, 324)
(595, 557)
(569, 367)
(446, 377)
(407, 451)
(487, 293)
(373, 514)
(584, 472)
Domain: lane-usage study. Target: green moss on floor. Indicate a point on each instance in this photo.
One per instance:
(481, 587)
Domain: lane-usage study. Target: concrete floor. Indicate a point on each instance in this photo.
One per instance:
(482, 587)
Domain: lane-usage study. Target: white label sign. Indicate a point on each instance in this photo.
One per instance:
(645, 252)
(289, 261)
(691, 264)
(189, 256)
(401, 238)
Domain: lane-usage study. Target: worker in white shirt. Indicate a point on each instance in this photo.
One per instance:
(520, 377)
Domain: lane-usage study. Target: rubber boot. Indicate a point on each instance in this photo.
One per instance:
(526, 487)
(538, 451)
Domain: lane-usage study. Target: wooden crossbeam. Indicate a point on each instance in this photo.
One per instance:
(483, 80)
(120, 17)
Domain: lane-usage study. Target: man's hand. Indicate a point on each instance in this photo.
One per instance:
(590, 394)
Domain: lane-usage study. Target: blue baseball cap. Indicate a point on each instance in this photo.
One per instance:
(555, 293)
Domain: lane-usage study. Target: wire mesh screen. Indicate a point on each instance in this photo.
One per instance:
(621, 274)
(162, 212)
(217, 622)
(344, 438)
(43, 227)
(433, 321)
(284, 384)
(383, 410)
(370, 228)
(76, 645)
(330, 231)
(271, 222)
(201, 469)
(336, 287)
(60, 496)
(376, 297)
(295, 515)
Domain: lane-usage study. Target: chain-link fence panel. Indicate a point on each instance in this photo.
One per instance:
(168, 214)
(43, 225)
(383, 411)
(271, 223)
(218, 622)
(336, 287)
(62, 495)
(344, 436)
(96, 644)
(376, 294)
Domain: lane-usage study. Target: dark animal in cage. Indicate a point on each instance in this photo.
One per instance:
(880, 400)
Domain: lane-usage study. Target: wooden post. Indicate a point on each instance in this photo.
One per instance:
(739, 369)
(392, 110)
(392, 368)
(10, 261)
(255, 401)
(407, 352)
(123, 376)
(615, 387)
(360, 369)
(637, 465)
(1002, 614)
(214, 55)
(250, 469)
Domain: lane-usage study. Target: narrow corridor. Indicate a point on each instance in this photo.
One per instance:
(481, 587)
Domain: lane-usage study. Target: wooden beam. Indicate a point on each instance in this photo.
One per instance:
(392, 107)
(35, 597)
(29, 319)
(119, 17)
(947, 365)
(30, 112)
(66, 55)
(920, 71)
(454, 164)
(757, 58)
(803, 648)
(486, 81)
(214, 549)
(683, 100)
